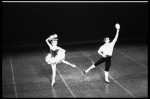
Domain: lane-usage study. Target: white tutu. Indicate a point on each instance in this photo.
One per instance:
(54, 60)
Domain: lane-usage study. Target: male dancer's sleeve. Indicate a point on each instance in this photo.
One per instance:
(116, 37)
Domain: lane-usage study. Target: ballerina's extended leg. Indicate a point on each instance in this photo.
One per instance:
(66, 62)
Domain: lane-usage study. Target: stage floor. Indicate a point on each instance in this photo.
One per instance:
(26, 74)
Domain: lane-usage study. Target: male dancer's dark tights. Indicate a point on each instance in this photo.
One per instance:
(107, 64)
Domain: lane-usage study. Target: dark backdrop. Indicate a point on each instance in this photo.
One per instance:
(32, 23)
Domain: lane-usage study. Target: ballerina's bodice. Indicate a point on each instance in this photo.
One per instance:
(53, 52)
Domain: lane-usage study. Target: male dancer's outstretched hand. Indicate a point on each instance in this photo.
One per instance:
(117, 26)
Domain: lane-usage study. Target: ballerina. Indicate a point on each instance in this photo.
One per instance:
(56, 55)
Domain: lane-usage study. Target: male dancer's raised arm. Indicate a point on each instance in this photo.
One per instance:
(116, 37)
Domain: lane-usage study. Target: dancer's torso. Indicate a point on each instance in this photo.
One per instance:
(53, 51)
(107, 49)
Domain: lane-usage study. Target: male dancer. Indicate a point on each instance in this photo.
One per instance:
(106, 51)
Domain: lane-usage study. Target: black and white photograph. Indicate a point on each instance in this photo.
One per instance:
(75, 49)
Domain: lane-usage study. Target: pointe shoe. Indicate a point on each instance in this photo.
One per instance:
(52, 83)
(107, 81)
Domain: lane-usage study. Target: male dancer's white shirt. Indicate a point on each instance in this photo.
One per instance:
(107, 49)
